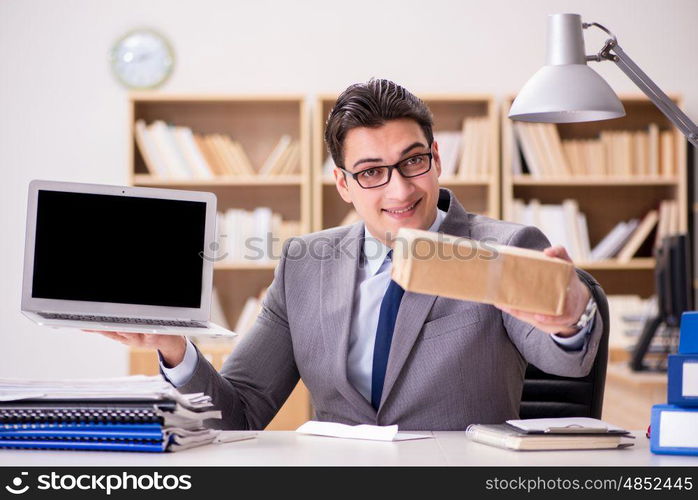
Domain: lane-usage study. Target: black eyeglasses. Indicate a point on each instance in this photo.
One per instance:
(374, 177)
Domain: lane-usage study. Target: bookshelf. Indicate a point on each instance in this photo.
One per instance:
(256, 123)
(606, 199)
(478, 194)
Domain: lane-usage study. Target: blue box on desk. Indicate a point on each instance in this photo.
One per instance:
(688, 338)
(674, 430)
(682, 387)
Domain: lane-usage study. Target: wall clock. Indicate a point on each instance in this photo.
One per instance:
(142, 59)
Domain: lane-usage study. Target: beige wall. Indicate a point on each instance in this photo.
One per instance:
(63, 116)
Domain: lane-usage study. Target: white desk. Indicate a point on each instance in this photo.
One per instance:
(289, 448)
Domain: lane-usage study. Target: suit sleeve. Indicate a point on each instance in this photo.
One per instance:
(257, 378)
(537, 346)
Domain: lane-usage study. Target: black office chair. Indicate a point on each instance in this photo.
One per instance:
(548, 396)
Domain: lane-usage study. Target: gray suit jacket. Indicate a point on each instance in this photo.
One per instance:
(451, 363)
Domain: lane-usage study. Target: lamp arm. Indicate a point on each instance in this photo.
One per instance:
(612, 52)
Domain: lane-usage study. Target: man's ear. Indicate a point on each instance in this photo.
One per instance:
(436, 157)
(340, 180)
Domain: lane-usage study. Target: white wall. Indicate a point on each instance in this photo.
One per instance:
(63, 116)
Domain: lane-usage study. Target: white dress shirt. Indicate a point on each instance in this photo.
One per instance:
(372, 282)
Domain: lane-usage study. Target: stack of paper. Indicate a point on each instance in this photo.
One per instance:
(136, 413)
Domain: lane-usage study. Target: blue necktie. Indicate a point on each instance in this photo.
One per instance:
(384, 336)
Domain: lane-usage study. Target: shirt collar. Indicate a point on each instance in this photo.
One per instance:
(375, 251)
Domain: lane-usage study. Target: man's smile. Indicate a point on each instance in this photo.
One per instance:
(403, 211)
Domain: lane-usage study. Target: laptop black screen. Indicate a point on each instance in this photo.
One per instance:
(106, 248)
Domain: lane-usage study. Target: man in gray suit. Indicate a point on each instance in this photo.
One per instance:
(367, 351)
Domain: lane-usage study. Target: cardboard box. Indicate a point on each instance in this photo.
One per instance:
(460, 268)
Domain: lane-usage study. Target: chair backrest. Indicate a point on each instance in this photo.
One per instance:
(548, 396)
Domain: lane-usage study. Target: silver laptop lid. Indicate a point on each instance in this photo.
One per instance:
(119, 251)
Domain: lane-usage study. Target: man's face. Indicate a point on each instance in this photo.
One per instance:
(383, 209)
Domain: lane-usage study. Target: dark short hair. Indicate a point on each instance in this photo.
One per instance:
(371, 104)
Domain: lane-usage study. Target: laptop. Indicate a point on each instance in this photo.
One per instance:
(119, 258)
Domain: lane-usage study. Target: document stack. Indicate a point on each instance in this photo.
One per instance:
(674, 426)
(124, 414)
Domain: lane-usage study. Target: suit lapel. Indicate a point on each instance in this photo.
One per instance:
(338, 273)
(415, 307)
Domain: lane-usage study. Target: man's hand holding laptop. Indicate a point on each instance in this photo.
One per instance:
(171, 347)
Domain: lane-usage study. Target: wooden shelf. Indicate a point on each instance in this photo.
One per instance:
(594, 181)
(278, 180)
(256, 122)
(449, 110)
(605, 200)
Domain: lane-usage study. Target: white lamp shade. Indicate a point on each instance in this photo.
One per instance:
(566, 89)
(565, 94)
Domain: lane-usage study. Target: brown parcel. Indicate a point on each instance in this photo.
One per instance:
(461, 268)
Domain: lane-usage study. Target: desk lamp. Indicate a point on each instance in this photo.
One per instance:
(566, 90)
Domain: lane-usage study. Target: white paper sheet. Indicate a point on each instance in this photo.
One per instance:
(370, 432)
(573, 424)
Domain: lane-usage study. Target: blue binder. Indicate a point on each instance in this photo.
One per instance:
(104, 445)
(681, 422)
(81, 430)
(688, 338)
(682, 372)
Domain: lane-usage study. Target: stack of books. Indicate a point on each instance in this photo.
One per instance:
(674, 425)
(615, 153)
(124, 414)
(253, 236)
(175, 152)
(550, 434)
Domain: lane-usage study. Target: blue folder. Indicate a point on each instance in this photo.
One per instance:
(82, 430)
(663, 444)
(688, 338)
(677, 393)
(104, 445)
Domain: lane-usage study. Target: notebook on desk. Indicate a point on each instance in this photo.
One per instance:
(550, 434)
(119, 258)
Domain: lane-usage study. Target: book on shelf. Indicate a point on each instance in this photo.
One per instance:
(648, 223)
(465, 154)
(562, 224)
(615, 153)
(176, 152)
(566, 225)
(474, 158)
(614, 240)
(328, 167)
(253, 236)
(449, 145)
(668, 224)
(283, 159)
(627, 316)
(194, 159)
